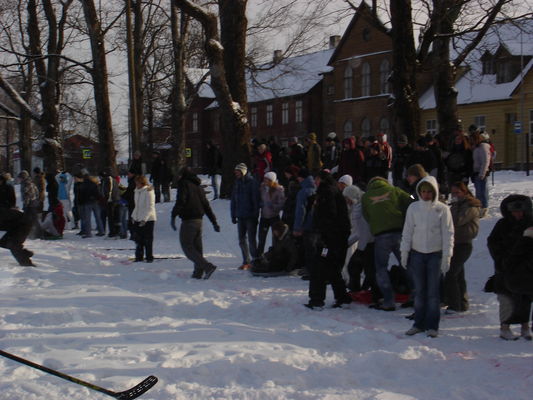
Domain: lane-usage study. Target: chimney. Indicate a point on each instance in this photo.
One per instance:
(278, 54)
(334, 41)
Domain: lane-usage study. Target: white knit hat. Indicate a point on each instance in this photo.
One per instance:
(332, 135)
(271, 176)
(353, 193)
(241, 167)
(346, 179)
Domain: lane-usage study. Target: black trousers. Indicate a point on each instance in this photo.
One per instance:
(17, 225)
(144, 238)
(455, 295)
(325, 269)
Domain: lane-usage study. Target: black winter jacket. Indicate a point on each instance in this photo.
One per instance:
(191, 202)
(518, 270)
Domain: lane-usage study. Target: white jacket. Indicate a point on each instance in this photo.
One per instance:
(144, 205)
(481, 156)
(428, 226)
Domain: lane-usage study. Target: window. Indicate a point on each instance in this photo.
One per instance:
(366, 34)
(504, 72)
(384, 72)
(365, 80)
(365, 127)
(431, 126)
(348, 129)
(348, 82)
(488, 65)
(331, 90)
(479, 121)
(384, 126)
(298, 112)
(269, 115)
(253, 118)
(195, 122)
(285, 113)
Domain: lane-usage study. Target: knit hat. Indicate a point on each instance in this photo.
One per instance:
(23, 174)
(485, 136)
(529, 232)
(271, 176)
(346, 179)
(241, 167)
(332, 135)
(353, 193)
(312, 136)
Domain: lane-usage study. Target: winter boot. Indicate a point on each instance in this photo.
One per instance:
(22, 257)
(506, 333)
(525, 332)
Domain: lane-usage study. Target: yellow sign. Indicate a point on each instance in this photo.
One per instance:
(86, 154)
(188, 152)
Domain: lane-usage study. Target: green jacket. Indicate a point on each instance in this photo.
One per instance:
(384, 206)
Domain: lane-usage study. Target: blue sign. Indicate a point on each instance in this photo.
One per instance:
(517, 127)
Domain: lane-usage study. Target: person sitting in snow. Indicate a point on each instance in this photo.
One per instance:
(281, 258)
(52, 222)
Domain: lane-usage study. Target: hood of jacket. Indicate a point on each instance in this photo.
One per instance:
(308, 183)
(433, 182)
(518, 200)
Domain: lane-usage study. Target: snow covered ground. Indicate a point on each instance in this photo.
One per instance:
(90, 312)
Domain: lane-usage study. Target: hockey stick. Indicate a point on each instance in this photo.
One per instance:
(132, 393)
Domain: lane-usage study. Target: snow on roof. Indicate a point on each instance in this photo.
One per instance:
(291, 77)
(473, 86)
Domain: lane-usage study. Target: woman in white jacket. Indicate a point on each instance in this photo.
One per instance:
(426, 249)
(143, 218)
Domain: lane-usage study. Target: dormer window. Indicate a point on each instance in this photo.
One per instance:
(487, 62)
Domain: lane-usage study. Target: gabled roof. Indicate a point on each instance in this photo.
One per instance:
(291, 77)
(362, 11)
(473, 87)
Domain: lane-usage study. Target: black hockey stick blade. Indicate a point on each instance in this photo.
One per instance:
(132, 393)
(138, 390)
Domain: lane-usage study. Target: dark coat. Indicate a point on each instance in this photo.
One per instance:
(191, 202)
(245, 198)
(518, 267)
(351, 161)
(303, 216)
(505, 234)
(213, 160)
(88, 192)
(282, 256)
(7, 196)
(459, 164)
(330, 215)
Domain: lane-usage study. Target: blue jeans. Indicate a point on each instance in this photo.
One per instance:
(426, 273)
(215, 183)
(482, 191)
(247, 228)
(384, 245)
(87, 209)
(123, 218)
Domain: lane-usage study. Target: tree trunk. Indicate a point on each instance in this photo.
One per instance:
(138, 65)
(446, 13)
(235, 132)
(107, 154)
(179, 27)
(406, 112)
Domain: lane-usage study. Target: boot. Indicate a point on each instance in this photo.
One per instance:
(525, 332)
(506, 333)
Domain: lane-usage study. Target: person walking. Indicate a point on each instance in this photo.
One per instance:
(88, 198)
(143, 218)
(65, 181)
(191, 205)
(514, 308)
(426, 249)
(481, 163)
(272, 201)
(314, 154)
(465, 210)
(245, 212)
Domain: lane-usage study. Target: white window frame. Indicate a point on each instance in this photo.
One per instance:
(285, 113)
(384, 72)
(298, 111)
(481, 122)
(431, 126)
(348, 82)
(365, 79)
(253, 117)
(384, 125)
(269, 115)
(347, 128)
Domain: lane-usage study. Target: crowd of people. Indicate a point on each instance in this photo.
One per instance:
(334, 216)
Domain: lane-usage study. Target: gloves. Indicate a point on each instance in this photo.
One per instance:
(173, 223)
(445, 264)
(142, 223)
(405, 259)
(234, 220)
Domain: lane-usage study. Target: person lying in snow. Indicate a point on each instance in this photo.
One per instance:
(52, 222)
(281, 258)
